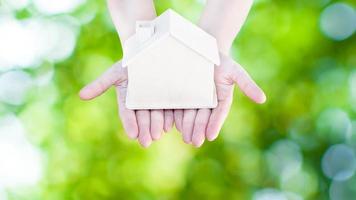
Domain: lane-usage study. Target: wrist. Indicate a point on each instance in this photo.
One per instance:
(223, 44)
(124, 14)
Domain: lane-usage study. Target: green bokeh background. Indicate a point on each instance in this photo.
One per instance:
(307, 79)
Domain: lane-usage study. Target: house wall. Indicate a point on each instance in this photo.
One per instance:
(170, 75)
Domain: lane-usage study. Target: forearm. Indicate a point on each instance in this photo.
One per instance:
(125, 13)
(223, 19)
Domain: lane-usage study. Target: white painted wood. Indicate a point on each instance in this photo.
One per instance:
(172, 23)
(144, 30)
(170, 69)
(193, 37)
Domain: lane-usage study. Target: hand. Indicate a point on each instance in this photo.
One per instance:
(198, 124)
(146, 125)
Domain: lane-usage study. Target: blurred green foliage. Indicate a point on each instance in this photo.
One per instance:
(308, 81)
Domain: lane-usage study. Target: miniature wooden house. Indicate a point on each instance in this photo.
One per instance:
(170, 65)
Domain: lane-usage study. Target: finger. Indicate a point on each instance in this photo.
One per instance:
(200, 124)
(143, 121)
(157, 121)
(168, 120)
(217, 118)
(188, 124)
(244, 81)
(114, 75)
(178, 119)
(127, 116)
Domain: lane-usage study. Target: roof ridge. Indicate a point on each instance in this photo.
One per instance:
(184, 31)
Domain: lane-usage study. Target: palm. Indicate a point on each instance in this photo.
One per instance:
(146, 125)
(224, 86)
(196, 125)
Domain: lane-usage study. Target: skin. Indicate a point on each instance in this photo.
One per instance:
(224, 26)
(144, 125)
(200, 124)
(196, 125)
(207, 123)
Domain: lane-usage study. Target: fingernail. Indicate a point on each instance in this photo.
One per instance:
(156, 136)
(145, 144)
(187, 140)
(83, 93)
(262, 99)
(132, 136)
(197, 144)
(211, 137)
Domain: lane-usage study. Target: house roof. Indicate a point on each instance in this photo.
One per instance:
(171, 24)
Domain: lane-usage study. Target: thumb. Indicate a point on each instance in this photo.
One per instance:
(248, 86)
(114, 75)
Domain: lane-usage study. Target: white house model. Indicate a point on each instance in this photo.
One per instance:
(170, 65)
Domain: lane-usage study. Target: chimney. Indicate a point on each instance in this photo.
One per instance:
(144, 30)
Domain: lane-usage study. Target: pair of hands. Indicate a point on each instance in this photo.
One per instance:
(196, 125)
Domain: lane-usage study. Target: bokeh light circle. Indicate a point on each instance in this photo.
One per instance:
(284, 158)
(58, 40)
(301, 131)
(343, 190)
(16, 4)
(21, 163)
(334, 125)
(339, 162)
(352, 140)
(57, 6)
(28, 43)
(19, 44)
(14, 86)
(338, 21)
(352, 86)
(3, 195)
(304, 182)
(274, 194)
